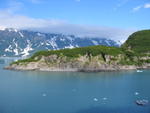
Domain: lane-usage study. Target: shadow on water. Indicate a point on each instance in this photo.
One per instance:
(139, 109)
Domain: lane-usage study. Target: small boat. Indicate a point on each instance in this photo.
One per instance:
(142, 102)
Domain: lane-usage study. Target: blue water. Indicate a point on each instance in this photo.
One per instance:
(72, 92)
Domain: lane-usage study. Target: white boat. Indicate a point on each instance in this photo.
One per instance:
(142, 102)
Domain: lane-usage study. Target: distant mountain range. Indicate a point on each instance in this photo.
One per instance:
(16, 43)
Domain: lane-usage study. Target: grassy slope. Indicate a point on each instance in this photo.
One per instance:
(76, 52)
(139, 42)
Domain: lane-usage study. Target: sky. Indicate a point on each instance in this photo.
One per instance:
(115, 19)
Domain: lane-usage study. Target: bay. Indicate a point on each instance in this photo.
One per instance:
(72, 92)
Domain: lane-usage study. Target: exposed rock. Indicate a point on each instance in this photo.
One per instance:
(82, 63)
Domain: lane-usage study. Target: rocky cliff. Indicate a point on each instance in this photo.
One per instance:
(82, 63)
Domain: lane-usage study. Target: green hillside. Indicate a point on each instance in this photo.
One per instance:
(76, 52)
(138, 42)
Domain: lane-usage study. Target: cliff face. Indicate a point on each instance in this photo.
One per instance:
(81, 63)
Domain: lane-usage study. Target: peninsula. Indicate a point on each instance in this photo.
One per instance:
(133, 54)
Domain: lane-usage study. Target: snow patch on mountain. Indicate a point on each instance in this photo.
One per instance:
(16, 51)
(62, 39)
(69, 47)
(94, 42)
(108, 42)
(40, 34)
(9, 49)
(48, 44)
(42, 43)
(27, 49)
(11, 30)
(16, 48)
(53, 43)
(21, 34)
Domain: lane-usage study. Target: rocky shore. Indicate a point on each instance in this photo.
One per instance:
(82, 63)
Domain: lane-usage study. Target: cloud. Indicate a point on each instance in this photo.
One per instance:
(10, 20)
(18, 21)
(147, 5)
(136, 8)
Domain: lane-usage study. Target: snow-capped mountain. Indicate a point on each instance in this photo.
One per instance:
(15, 42)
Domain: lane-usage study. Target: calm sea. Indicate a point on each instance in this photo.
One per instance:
(72, 92)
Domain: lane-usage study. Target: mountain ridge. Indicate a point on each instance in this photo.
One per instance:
(15, 42)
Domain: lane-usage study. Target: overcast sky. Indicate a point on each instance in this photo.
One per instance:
(114, 19)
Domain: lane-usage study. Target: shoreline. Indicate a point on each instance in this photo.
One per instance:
(75, 69)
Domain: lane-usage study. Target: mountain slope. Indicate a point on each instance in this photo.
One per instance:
(139, 42)
(22, 42)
